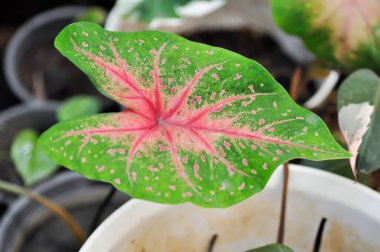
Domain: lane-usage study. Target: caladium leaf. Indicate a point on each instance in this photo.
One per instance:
(203, 124)
(275, 247)
(346, 32)
(30, 161)
(359, 119)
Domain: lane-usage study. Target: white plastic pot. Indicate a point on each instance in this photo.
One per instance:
(352, 210)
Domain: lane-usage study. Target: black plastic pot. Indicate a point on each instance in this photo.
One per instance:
(30, 227)
(7, 98)
(32, 63)
(33, 115)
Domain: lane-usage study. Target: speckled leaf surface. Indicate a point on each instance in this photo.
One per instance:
(359, 119)
(346, 32)
(203, 124)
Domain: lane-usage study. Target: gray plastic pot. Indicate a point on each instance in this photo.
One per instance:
(33, 115)
(31, 59)
(30, 227)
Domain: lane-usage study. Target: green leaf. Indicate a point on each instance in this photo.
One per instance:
(344, 32)
(272, 248)
(147, 10)
(359, 119)
(203, 124)
(31, 162)
(78, 106)
(93, 14)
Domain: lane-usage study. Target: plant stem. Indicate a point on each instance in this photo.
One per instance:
(102, 207)
(53, 207)
(212, 243)
(38, 85)
(318, 238)
(284, 197)
(295, 83)
(294, 92)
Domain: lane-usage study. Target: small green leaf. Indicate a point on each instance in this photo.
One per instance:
(272, 248)
(344, 32)
(94, 14)
(203, 124)
(78, 106)
(359, 119)
(31, 162)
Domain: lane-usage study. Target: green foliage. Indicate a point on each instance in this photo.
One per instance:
(203, 124)
(31, 162)
(147, 10)
(94, 14)
(78, 106)
(272, 248)
(344, 32)
(359, 118)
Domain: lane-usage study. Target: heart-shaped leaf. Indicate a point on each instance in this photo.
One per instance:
(29, 159)
(275, 247)
(203, 124)
(346, 32)
(359, 119)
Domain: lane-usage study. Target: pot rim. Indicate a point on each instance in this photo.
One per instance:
(22, 33)
(25, 108)
(365, 195)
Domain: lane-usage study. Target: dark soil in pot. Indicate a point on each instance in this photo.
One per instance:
(29, 227)
(256, 46)
(48, 75)
(36, 70)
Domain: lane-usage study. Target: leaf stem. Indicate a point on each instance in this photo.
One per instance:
(318, 238)
(59, 211)
(100, 210)
(212, 243)
(38, 85)
(295, 83)
(294, 92)
(284, 197)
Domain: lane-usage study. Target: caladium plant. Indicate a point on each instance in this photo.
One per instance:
(345, 32)
(202, 124)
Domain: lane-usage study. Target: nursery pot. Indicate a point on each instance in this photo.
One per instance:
(35, 70)
(30, 227)
(33, 115)
(352, 212)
